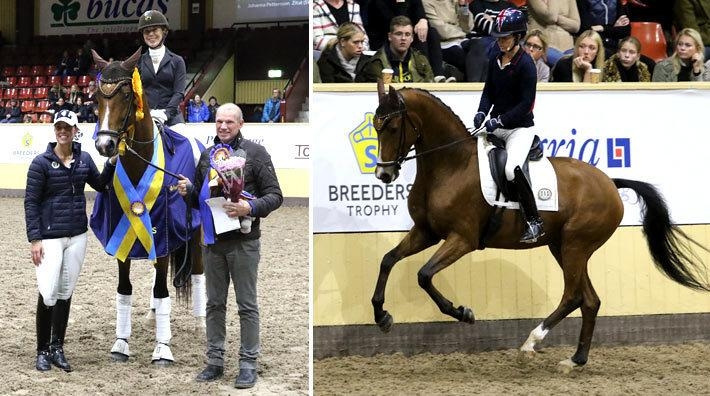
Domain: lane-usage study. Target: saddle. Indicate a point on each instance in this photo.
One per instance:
(497, 158)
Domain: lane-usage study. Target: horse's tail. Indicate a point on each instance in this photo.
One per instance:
(669, 245)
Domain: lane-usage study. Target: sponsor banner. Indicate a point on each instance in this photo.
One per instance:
(631, 135)
(61, 17)
(288, 144)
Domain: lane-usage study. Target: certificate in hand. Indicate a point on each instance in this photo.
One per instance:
(222, 222)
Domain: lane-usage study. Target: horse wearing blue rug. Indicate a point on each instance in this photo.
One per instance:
(141, 215)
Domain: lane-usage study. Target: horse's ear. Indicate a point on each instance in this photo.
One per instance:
(131, 62)
(381, 90)
(98, 60)
(393, 98)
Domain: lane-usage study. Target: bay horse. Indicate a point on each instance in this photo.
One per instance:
(142, 215)
(446, 203)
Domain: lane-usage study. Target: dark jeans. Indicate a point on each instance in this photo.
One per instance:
(432, 49)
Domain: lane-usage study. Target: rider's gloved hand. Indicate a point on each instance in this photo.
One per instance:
(493, 124)
(478, 119)
(159, 115)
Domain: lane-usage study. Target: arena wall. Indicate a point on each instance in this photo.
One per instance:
(509, 291)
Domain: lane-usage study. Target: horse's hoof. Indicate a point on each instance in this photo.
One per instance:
(466, 314)
(385, 324)
(162, 362)
(567, 366)
(526, 356)
(119, 357)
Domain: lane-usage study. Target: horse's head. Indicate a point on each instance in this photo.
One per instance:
(395, 133)
(116, 103)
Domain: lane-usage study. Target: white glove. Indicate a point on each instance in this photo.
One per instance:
(159, 115)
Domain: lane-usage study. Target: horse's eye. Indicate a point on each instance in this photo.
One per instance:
(378, 123)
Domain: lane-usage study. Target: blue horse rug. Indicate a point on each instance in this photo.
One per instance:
(148, 220)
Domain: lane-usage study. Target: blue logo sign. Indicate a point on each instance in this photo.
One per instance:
(618, 152)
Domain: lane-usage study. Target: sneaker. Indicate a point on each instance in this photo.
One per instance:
(439, 79)
(451, 79)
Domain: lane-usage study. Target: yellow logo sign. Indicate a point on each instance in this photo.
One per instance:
(27, 140)
(363, 140)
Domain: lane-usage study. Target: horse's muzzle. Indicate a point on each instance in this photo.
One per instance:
(107, 146)
(387, 174)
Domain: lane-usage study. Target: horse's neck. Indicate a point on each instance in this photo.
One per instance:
(143, 145)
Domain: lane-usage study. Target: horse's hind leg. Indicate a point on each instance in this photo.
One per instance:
(162, 355)
(124, 294)
(199, 290)
(415, 241)
(452, 249)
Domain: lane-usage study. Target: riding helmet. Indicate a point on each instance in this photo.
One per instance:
(509, 21)
(152, 18)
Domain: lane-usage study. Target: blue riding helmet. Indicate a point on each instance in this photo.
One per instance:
(509, 21)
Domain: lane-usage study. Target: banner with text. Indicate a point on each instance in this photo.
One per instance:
(659, 137)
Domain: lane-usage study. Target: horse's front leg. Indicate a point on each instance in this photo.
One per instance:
(453, 249)
(414, 242)
(199, 289)
(124, 295)
(162, 355)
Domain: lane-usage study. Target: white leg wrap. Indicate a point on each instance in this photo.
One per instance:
(537, 335)
(199, 295)
(162, 320)
(163, 352)
(123, 316)
(120, 346)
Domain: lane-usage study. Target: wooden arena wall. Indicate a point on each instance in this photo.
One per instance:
(509, 291)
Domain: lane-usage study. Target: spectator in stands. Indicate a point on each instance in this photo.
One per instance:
(75, 92)
(84, 112)
(13, 114)
(58, 106)
(2, 111)
(686, 63)
(328, 15)
(197, 110)
(342, 60)
(558, 20)
(256, 114)
(212, 107)
(625, 65)
(426, 38)
(409, 65)
(162, 71)
(90, 95)
(535, 44)
(56, 92)
(453, 21)
(27, 118)
(609, 18)
(65, 65)
(272, 107)
(694, 14)
(588, 54)
(81, 66)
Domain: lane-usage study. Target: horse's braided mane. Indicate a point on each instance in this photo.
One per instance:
(440, 102)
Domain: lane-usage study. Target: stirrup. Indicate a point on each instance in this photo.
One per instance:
(533, 231)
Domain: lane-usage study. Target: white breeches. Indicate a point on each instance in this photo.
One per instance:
(59, 270)
(517, 144)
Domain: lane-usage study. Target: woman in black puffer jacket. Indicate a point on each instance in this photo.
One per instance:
(55, 216)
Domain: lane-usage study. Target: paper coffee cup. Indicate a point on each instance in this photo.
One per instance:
(595, 75)
(387, 75)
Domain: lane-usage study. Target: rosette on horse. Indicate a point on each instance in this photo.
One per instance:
(141, 215)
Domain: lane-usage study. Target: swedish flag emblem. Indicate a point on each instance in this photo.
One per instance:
(363, 140)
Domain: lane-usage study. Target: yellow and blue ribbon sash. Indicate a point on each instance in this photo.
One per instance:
(136, 224)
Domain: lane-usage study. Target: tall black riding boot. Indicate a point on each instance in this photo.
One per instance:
(532, 226)
(60, 318)
(43, 323)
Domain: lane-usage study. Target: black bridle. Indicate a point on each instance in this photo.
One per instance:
(381, 121)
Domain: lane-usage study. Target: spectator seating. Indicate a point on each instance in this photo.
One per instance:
(8, 71)
(25, 93)
(68, 81)
(24, 81)
(51, 69)
(38, 70)
(54, 80)
(9, 93)
(23, 70)
(83, 81)
(40, 93)
(653, 41)
(11, 80)
(42, 105)
(45, 118)
(28, 106)
(39, 81)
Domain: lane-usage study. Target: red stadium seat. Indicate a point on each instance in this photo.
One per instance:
(45, 118)
(9, 93)
(12, 80)
(653, 41)
(24, 81)
(42, 105)
(23, 70)
(54, 80)
(83, 81)
(8, 71)
(40, 93)
(25, 93)
(28, 106)
(68, 81)
(38, 70)
(51, 69)
(39, 81)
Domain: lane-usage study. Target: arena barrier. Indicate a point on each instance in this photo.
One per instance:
(288, 144)
(656, 133)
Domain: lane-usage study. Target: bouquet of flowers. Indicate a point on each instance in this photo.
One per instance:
(230, 168)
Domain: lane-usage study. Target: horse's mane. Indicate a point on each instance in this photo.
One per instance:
(439, 102)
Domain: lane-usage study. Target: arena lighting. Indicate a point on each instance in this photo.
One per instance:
(275, 73)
